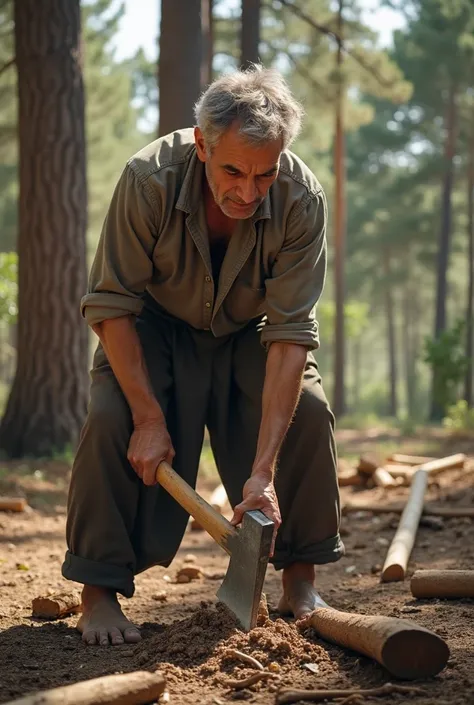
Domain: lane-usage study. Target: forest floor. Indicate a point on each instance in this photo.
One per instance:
(187, 637)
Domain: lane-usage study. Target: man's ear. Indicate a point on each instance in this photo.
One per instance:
(200, 144)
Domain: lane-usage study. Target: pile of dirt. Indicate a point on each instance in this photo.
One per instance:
(202, 649)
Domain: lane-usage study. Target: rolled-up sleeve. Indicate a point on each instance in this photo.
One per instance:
(297, 277)
(123, 265)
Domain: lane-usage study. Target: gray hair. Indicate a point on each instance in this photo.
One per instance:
(257, 99)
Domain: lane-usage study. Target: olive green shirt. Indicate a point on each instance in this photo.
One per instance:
(155, 239)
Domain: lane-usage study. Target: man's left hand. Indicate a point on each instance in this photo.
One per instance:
(259, 493)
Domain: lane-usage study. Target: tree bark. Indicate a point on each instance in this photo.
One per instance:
(48, 399)
(207, 21)
(410, 347)
(445, 234)
(250, 32)
(180, 62)
(468, 387)
(339, 403)
(392, 348)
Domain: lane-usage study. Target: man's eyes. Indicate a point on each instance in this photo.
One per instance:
(268, 175)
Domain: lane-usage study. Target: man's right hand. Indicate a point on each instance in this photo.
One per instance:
(150, 444)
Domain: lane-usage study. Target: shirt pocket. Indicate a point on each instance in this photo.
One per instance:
(243, 302)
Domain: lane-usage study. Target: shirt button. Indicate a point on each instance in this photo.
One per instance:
(208, 305)
(208, 279)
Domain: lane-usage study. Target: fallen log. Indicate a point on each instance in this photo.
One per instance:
(382, 478)
(136, 688)
(405, 649)
(434, 467)
(13, 504)
(349, 478)
(55, 606)
(428, 510)
(396, 562)
(442, 583)
(400, 549)
(369, 463)
(401, 459)
(286, 697)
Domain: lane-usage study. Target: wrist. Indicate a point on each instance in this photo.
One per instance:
(151, 414)
(264, 471)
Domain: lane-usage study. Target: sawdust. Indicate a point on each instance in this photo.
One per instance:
(200, 650)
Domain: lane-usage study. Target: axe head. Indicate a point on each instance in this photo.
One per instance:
(249, 550)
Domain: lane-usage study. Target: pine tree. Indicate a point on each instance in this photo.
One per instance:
(48, 398)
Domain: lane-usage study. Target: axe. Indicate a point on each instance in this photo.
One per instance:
(248, 546)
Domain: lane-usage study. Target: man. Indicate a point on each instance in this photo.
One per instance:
(210, 264)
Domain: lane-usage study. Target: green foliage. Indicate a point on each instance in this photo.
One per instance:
(8, 287)
(459, 418)
(448, 362)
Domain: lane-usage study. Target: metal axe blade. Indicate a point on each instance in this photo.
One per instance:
(242, 587)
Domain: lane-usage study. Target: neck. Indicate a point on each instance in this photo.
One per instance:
(216, 219)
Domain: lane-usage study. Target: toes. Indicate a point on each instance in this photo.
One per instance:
(103, 637)
(90, 637)
(132, 635)
(116, 637)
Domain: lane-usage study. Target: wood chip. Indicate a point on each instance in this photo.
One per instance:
(58, 605)
(161, 596)
(190, 571)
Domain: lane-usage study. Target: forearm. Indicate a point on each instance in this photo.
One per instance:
(281, 393)
(124, 351)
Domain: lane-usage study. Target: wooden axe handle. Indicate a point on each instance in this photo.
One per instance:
(214, 523)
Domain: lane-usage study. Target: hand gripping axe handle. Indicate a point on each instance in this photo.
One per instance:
(248, 546)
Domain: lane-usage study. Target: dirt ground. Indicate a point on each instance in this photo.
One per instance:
(187, 636)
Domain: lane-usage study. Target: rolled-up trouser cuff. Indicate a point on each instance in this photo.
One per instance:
(105, 575)
(327, 551)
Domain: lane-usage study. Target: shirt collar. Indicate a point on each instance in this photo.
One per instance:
(190, 195)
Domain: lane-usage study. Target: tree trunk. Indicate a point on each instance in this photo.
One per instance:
(410, 347)
(250, 32)
(180, 62)
(468, 390)
(339, 402)
(445, 235)
(207, 21)
(357, 360)
(392, 348)
(48, 399)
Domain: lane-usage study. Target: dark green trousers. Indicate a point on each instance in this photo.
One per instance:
(118, 527)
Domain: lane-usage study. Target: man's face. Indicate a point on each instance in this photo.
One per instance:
(239, 175)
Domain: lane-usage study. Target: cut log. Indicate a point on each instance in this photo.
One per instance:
(396, 562)
(56, 606)
(443, 583)
(434, 467)
(405, 649)
(136, 688)
(428, 510)
(401, 459)
(369, 463)
(350, 478)
(382, 478)
(13, 504)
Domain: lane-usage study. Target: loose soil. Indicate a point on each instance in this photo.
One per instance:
(189, 637)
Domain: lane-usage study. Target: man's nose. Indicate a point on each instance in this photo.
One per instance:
(248, 191)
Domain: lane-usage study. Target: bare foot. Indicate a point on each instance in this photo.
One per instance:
(103, 621)
(300, 597)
